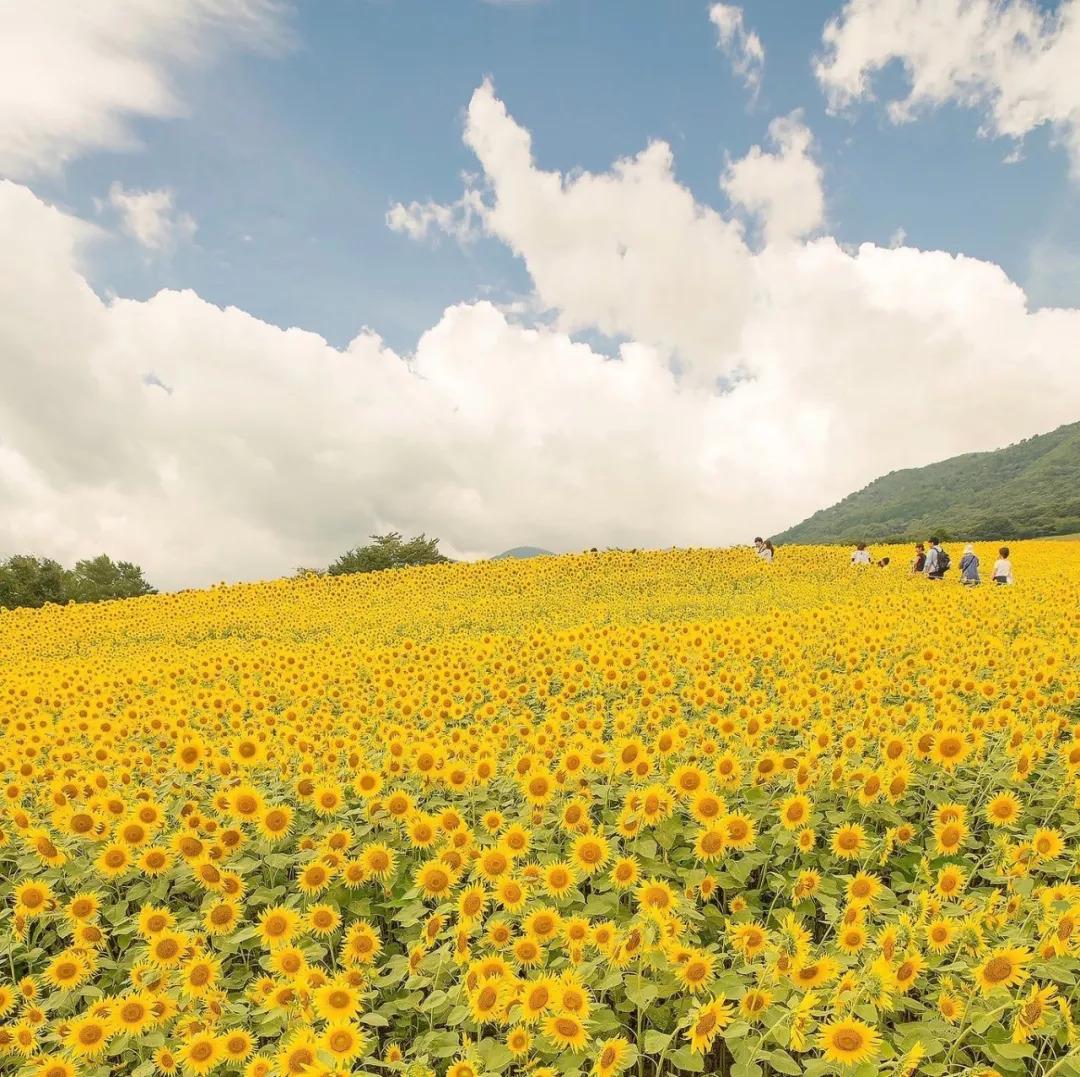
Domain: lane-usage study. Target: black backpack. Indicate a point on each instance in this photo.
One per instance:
(943, 561)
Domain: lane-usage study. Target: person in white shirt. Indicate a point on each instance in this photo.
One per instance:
(861, 556)
(1003, 567)
(766, 551)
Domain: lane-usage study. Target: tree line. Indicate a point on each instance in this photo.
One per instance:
(27, 580)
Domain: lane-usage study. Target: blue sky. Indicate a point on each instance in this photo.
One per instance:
(288, 160)
(642, 289)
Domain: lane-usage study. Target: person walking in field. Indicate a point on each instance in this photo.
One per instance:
(1003, 567)
(969, 567)
(766, 551)
(937, 561)
(861, 556)
(918, 566)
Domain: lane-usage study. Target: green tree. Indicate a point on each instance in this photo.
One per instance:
(101, 578)
(26, 580)
(388, 551)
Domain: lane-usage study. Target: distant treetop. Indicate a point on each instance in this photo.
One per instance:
(388, 551)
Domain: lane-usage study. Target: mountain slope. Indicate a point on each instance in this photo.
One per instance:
(522, 551)
(1029, 489)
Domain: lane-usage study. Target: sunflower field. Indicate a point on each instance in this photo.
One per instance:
(667, 812)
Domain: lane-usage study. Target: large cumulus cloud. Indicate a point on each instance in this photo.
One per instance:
(756, 384)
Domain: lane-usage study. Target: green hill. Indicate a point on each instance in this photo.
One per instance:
(1027, 490)
(522, 551)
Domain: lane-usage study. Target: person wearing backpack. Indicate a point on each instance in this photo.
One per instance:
(937, 561)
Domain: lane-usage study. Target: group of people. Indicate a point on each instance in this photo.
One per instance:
(932, 563)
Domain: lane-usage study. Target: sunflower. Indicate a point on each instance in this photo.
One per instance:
(344, 1042)
(1047, 844)
(707, 807)
(696, 972)
(33, 898)
(754, 1002)
(299, 1055)
(907, 971)
(85, 905)
(1002, 968)
(237, 1045)
(851, 939)
(494, 863)
(795, 811)
(749, 938)
(528, 951)
(566, 1030)
(612, 1056)
(542, 923)
(378, 860)
(488, 1001)
(274, 822)
(53, 1066)
(739, 832)
(278, 925)
(849, 841)
(463, 1068)
(1003, 809)
(706, 1022)
(323, 919)
(655, 897)
(949, 1006)
(950, 749)
(337, 1001)
(558, 878)
(362, 944)
(87, 1037)
(807, 975)
(67, 970)
(518, 1040)
(951, 881)
(939, 935)
(167, 949)
(133, 1013)
(221, 917)
(863, 889)
(848, 1042)
(590, 853)
(199, 975)
(537, 997)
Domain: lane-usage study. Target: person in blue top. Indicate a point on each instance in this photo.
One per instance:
(969, 567)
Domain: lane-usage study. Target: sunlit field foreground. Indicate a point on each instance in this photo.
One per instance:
(666, 812)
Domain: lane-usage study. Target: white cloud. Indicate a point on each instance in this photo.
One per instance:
(1011, 58)
(743, 47)
(593, 244)
(73, 75)
(782, 189)
(150, 217)
(270, 449)
(463, 219)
